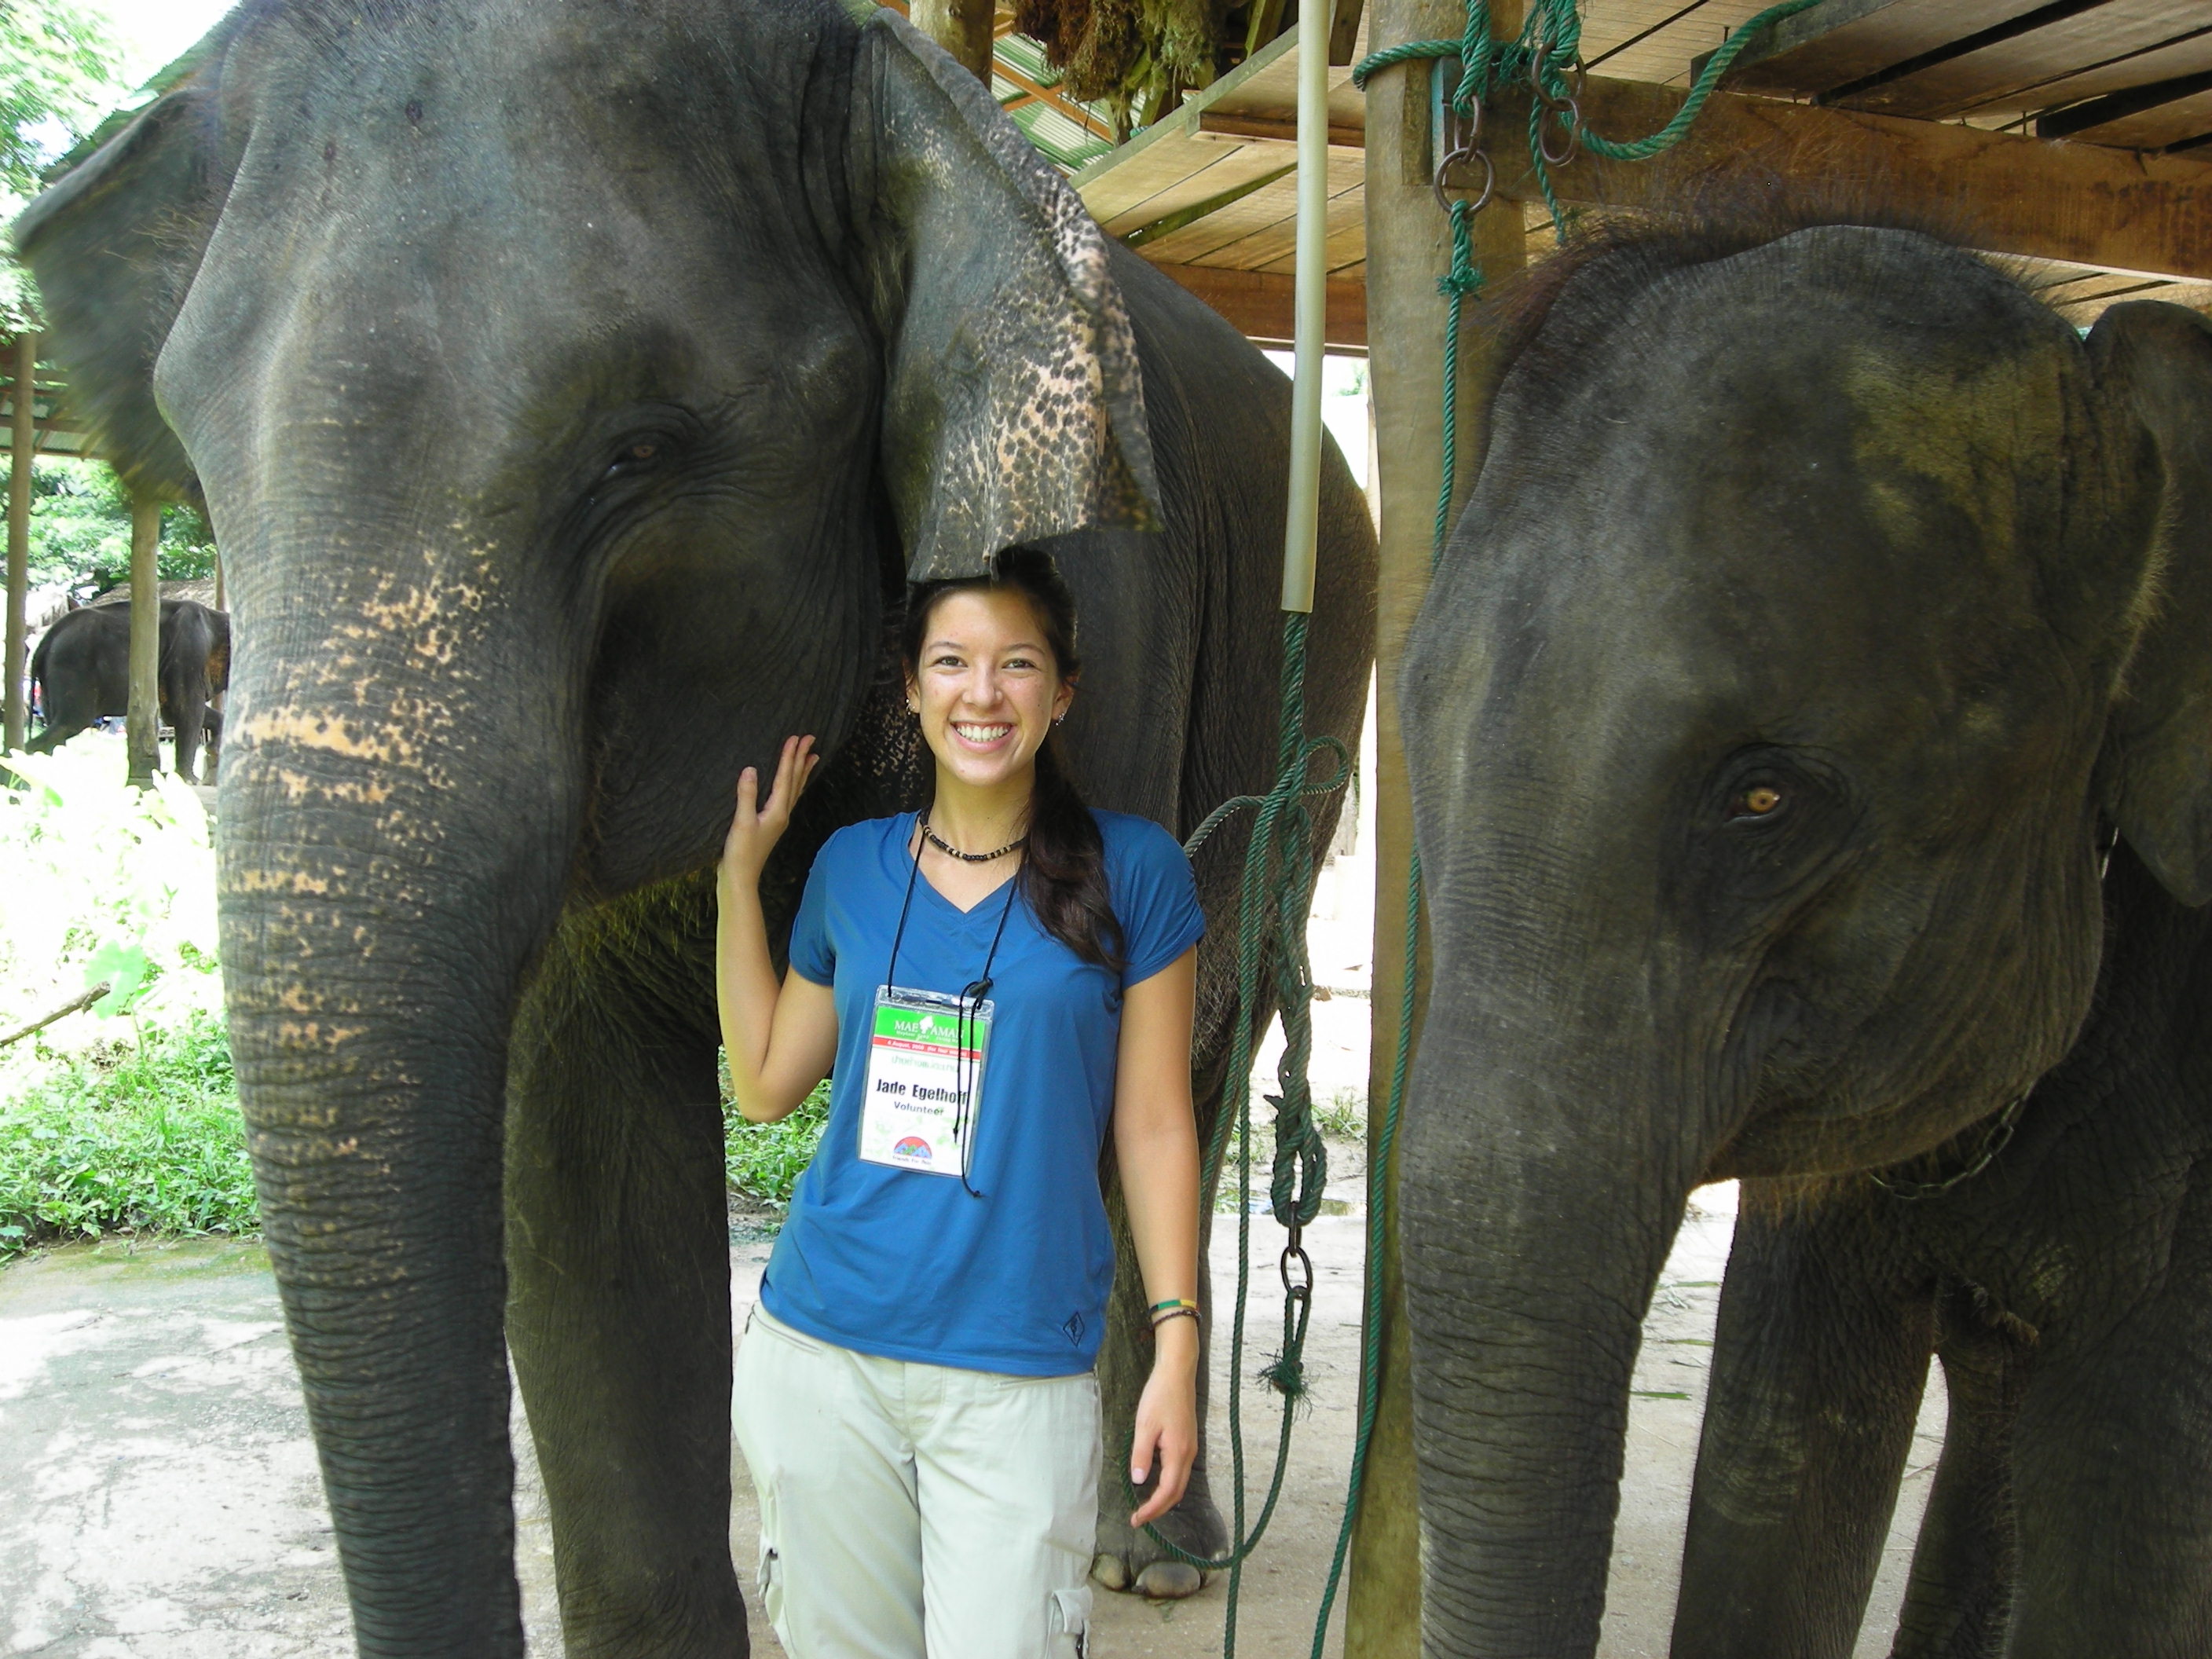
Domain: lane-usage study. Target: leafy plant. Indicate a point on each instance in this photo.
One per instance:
(1344, 1117)
(139, 1135)
(80, 531)
(765, 1160)
(60, 71)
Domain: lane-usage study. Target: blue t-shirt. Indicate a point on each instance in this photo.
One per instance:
(908, 1265)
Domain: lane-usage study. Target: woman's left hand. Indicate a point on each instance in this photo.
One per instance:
(1167, 1422)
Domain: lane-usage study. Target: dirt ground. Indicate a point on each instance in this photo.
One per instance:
(163, 1502)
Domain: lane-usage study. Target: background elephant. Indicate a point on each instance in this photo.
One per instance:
(573, 390)
(83, 670)
(1820, 596)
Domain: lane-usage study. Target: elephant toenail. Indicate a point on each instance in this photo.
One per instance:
(1168, 1581)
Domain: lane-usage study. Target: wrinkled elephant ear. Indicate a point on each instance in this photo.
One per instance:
(2157, 358)
(1014, 407)
(114, 245)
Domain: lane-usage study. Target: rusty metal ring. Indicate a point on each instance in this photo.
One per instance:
(1574, 78)
(1573, 113)
(1305, 1267)
(1465, 153)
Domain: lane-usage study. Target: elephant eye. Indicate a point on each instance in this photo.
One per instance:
(632, 458)
(1761, 800)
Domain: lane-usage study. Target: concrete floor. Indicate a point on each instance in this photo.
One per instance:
(163, 1501)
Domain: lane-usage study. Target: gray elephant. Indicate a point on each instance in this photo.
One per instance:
(2067, 1286)
(83, 670)
(1820, 596)
(575, 390)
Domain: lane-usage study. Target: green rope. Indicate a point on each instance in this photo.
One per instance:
(1275, 896)
(1547, 54)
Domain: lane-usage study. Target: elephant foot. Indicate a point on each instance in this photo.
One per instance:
(1135, 1561)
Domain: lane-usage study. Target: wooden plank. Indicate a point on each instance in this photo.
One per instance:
(1993, 77)
(2190, 55)
(1259, 304)
(1270, 129)
(1229, 166)
(1347, 239)
(1273, 204)
(2004, 193)
(1165, 155)
(1848, 40)
(2175, 121)
(1665, 55)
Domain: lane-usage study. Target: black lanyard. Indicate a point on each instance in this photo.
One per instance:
(971, 1001)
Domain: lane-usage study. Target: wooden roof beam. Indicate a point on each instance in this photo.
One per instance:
(2002, 193)
(1259, 304)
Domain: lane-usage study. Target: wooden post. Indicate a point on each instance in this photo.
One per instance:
(1408, 249)
(219, 603)
(21, 449)
(962, 27)
(143, 729)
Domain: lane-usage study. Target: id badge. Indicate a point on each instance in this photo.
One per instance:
(923, 1082)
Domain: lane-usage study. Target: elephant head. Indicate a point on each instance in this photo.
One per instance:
(1821, 601)
(568, 387)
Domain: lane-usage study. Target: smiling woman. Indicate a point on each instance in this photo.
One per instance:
(998, 979)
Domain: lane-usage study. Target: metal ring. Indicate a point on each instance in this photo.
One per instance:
(1573, 113)
(1305, 1267)
(1574, 77)
(1489, 178)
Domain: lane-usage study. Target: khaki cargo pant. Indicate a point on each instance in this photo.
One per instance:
(912, 1511)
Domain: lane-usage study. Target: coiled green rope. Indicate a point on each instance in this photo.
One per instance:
(1548, 56)
(1275, 897)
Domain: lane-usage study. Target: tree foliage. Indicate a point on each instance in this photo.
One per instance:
(60, 72)
(80, 531)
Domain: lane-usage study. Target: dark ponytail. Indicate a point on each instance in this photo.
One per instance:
(1063, 873)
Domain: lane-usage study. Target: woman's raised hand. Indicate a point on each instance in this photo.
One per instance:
(759, 824)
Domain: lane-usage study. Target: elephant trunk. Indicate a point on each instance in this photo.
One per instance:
(393, 848)
(1538, 1202)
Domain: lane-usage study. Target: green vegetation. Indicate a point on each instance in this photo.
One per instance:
(765, 1160)
(80, 531)
(136, 1135)
(124, 1116)
(60, 72)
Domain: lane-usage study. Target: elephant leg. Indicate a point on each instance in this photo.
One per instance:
(1819, 1361)
(618, 1260)
(2112, 1464)
(189, 714)
(1126, 1558)
(1958, 1604)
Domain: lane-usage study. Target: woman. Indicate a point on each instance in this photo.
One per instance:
(996, 980)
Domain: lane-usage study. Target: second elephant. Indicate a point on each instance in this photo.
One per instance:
(83, 668)
(1822, 599)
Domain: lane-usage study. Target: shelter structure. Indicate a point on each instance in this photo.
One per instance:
(36, 411)
(2074, 137)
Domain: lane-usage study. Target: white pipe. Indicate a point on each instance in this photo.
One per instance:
(1315, 20)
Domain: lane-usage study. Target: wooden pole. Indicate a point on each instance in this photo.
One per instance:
(23, 447)
(219, 603)
(962, 27)
(1408, 249)
(143, 729)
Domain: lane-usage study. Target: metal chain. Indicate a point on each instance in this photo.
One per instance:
(1995, 1139)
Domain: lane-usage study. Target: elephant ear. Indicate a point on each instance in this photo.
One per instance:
(114, 245)
(2157, 358)
(1013, 406)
